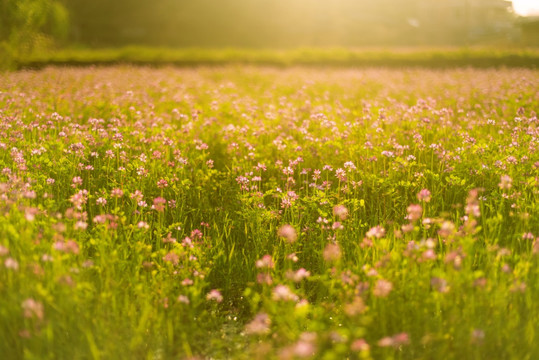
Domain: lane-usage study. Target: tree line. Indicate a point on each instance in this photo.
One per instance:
(242, 23)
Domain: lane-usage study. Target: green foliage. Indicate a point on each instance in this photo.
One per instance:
(30, 26)
(336, 57)
(290, 23)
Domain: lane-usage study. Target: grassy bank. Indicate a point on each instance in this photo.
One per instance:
(430, 58)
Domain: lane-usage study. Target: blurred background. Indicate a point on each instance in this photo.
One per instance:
(32, 25)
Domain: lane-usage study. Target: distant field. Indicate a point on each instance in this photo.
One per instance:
(431, 58)
(268, 213)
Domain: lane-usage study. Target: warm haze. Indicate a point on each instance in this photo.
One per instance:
(269, 179)
(526, 7)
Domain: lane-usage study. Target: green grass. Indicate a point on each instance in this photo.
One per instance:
(416, 57)
(168, 213)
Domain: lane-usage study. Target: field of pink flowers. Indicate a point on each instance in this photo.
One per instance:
(260, 213)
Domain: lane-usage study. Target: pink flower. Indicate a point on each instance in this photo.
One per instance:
(349, 166)
(67, 247)
(454, 257)
(30, 213)
(79, 199)
(395, 340)
(162, 184)
(289, 199)
(159, 204)
(293, 257)
(340, 211)
(32, 309)
(304, 349)
(424, 195)
(401, 338)
(11, 264)
(414, 212)
(505, 182)
(298, 275)
(71, 247)
(356, 307)
(385, 342)
(100, 219)
(439, 284)
(196, 234)
(183, 299)
(511, 160)
(478, 336)
(376, 232)
(288, 233)
(259, 325)
(169, 239)
(81, 225)
(406, 228)
(187, 282)
(288, 171)
(215, 295)
(265, 262)
(340, 174)
(447, 229)
(264, 278)
(137, 195)
(117, 193)
(77, 180)
(472, 204)
(30, 194)
(171, 257)
(283, 293)
(360, 345)
(337, 226)
(382, 288)
(332, 252)
(429, 254)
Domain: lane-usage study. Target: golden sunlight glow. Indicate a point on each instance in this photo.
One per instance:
(526, 7)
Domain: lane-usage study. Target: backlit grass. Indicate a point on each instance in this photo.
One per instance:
(251, 212)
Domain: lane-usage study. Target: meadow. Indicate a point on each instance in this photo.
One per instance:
(251, 212)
